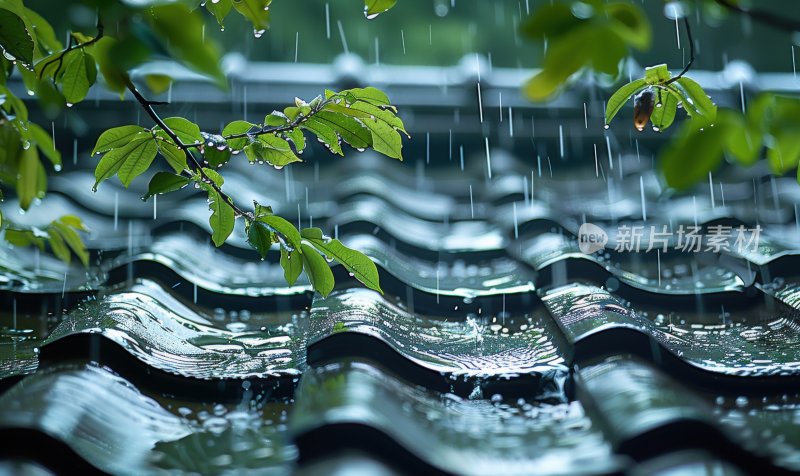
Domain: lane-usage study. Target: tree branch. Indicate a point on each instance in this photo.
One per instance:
(73, 46)
(783, 23)
(195, 164)
(301, 118)
(691, 53)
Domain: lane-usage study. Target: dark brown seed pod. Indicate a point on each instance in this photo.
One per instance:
(643, 104)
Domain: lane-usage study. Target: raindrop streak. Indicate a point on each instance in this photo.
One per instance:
(437, 283)
(327, 21)
(488, 158)
(116, 210)
(427, 147)
(377, 51)
(64, 286)
(480, 101)
(516, 226)
(658, 258)
(403, 40)
(596, 162)
(585, 117)
(296, 45)
(75, 152)
(561, 140)
(610, 160)
(194, 292)
(472, 206)
(711, 189)
(644, 205)
(500, 105)
(461, 155)
(510, 123)
(741, 93)
(341, 35)
(155, 207)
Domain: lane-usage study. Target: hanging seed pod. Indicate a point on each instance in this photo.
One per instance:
(643, 104)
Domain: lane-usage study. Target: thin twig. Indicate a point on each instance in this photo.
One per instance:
(148, 107)
(71, 47)
(691, 53)
(301, 118)
(787, 24)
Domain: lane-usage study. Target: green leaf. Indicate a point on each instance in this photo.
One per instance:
(28, 179)
(317, 269)
(140, 152)
(158, 83)
(373, 8)
(73, 240)
(325, 134)
(117, 137)
(697, 100)
(357, 263)
(692, 154)
(80, 73)
(297, 138)
(665, 109)
(174, 155)
(187, 131)
(14, 37)
(219, 9)
(369, 94)
(259, 237)
(73, 221)
(23, 238)
(380, 114)
(292, 264)
(350, 130)
(44, 142)
(621, 96)
(631, 24)
(784, 151)
(745, 140)
(257, 11)
(58, 246)
(235, 128)
(45, 35)
(657, 74)
(283, 227)
(165, 182)
(136, 159)
(222, 217)
(385, 139)
(181, 31)
(550, 21)
(275, 151)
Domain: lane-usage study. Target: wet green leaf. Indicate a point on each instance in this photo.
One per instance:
(44, 141)
(657, 74)
(80, 73)
(385, 139)
(292, 264)
(356, 263)
(621, 96)
(376, 7)
(187, 131)
(257, 11)
(259, 237)
(174, 155)
(29, 177)
(117, 137)
(219, 9)
(664, 113)
(73, 240)
(222, 217)
(128, 161)
(317, 269)
(235, 128)
(783, 152)
(697, 100)
(14, 36)
(283, 227)
(165, 182)
(325, 134)
(350, 130)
